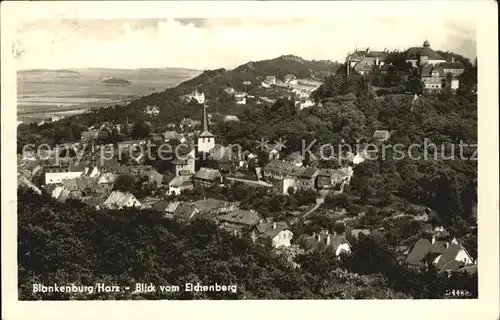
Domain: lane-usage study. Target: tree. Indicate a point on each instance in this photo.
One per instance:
(125, 183)
(140, 130)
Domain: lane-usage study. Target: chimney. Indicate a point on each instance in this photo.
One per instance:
(452, 59)
(274, 225)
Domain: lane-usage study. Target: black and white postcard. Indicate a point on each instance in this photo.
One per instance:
(165, 152)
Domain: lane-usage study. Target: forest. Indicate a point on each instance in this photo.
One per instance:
(72, 243)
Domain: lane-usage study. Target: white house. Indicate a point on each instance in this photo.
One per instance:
(306, 104)
(152, 110)
(118, 200)
(180, 183)
(57, 174)
(240, 97)
(276, 234)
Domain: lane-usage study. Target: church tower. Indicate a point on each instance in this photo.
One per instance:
(206, 140)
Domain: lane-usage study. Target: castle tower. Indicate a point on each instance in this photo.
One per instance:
(206, 140)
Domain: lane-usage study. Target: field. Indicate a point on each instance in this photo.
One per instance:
(44, 93)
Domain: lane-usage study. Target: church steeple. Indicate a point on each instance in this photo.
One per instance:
(206, 140)
(205, 119)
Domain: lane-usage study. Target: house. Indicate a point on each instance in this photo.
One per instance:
(307, 177)
(453, 84)
(456, 68)
(304, 104)
(454, 257)
(167, 207)
(229, 91)
(179, 184)
(215, 207)
(119, 199)
(283, 186)
(432, 78)
(206, 177)
(152, 110)
(325, 242)
(56, 174)
(381, 136)
(278, 169)
(107, 178)
(290, 79)
(238, 222)
(184, 164)
(59, 193)
(148, 202)
(185, 211)
(269, 82)
(421, 56)
(273, 151)
(364, 61)
(173, 135)
(198, 97)
(240, 97)
(275, 234)
(267, 100)
(331, 178)
(247, 83)
(444, 255)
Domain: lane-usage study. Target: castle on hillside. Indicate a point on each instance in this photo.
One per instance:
(435, 71)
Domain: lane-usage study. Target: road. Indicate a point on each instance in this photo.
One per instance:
(319, 202)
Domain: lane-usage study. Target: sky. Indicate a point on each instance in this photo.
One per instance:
(223, 43)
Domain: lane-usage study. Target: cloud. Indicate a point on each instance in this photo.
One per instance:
(214, 43)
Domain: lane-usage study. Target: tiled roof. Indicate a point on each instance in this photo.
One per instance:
(447, 255)
(377, 54)
(312, 243)
(118, 198)
(414, 53)
(427, 71)
(381, 134)
(244, 217)
(207, 174)
(419, 252)
(210, 204)
(180, 181)
(452, 65)
(270, 230)
(185, 211)
(206, 134)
